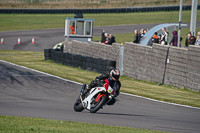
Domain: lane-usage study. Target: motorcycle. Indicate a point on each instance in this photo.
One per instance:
(95, 98)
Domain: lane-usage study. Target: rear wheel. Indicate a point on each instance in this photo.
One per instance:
(78, 106)
(96, 106)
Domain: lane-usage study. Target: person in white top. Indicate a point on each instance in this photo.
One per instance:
(198, 39)
(164, 37)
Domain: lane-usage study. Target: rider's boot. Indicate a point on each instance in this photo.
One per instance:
(83, 90)
(91, 85)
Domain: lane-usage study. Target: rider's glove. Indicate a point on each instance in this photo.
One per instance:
(97, 78)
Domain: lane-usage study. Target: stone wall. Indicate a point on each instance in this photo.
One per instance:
(193, 65)
(136, 61)
(145, 62)
(176, 70)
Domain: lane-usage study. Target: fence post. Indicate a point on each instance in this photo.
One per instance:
(121, 56)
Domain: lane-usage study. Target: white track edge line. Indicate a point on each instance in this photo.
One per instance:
(181, 105)
(41, 72)
(81, 84)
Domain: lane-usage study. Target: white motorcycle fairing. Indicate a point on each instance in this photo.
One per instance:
(88, 100)
(95, 98)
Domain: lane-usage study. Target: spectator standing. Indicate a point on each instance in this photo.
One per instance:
(198, 39)
(141, 34)
(136, 38)
(186, 40)
(72, 27)
(164, 37)
(106, 38)
(145, 31)
(174, 40)
(190, 40)
(111, 39)
(103, 38)
(159, 38)
(155, 38)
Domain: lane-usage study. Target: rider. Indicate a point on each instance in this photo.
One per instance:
(113, 78)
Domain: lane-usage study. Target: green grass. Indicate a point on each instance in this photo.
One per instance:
(10, 22)
(16, 124)
(29, 21)
(36, 61)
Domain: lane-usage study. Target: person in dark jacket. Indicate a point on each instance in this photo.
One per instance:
(174, 40)
(113, 79)
(103, 38)
(136, 38)
(111, 39)
(190, 40)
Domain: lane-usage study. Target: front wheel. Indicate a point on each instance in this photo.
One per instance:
(94, 108)
(78, 106)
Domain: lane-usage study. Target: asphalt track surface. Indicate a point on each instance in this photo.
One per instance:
(47, 38)
(28, 93)
(24, 92)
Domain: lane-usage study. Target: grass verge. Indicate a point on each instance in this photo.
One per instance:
(38, 125)
(36, 61)
(10, 22)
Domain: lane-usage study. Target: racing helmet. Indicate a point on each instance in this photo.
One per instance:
(115, 73)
